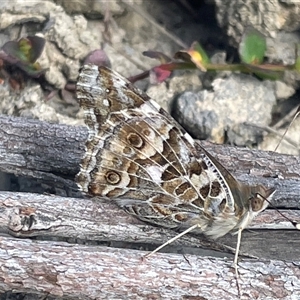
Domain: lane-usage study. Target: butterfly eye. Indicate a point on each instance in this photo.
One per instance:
(256, 203)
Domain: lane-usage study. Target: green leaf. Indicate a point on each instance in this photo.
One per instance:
(297, 62)
(252, 47)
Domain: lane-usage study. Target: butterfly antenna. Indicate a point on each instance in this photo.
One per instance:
(295, 224)
(294, 118)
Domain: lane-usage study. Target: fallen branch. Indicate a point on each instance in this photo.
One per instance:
(80, 272)
(29, 215)
(51, 153)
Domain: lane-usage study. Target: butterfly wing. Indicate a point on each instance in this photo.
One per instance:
(139, 156)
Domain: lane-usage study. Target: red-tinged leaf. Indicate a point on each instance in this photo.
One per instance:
(158, 75)
(196, 55)
(161, 72)
(26, 50)
(68, 96)
(138, 77)
(163, 58)
(14, 84)
(191, 56)
(183, 55)
(53, 94)
(37, 47)
(99, 58)
(5, 58)
(33, 70)
(13, 50)
(177, 66)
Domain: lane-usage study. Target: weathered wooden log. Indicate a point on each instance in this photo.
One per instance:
(51, 154)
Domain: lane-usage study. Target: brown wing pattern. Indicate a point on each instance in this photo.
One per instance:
(141, 157)
(137, 155)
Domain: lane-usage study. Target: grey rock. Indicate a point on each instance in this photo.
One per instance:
(20, 12)
(266, 16)
(69, 38)
(71, 35)
(30, 102)
(164, 93)
(93, 8)
(283, 91)
(289, 145)
(219, 114)
(16, 102)
(282, 48)
(190, 112)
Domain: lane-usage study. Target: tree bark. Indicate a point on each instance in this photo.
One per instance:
(51, 154)
(88, 272)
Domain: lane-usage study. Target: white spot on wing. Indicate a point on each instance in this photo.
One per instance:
(189, 138)
(147, 109)
(109, 122)
(155, 173)
(155, 104)
(106, 102)
(126, 115)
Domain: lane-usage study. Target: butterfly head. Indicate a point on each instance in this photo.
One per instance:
(255, 199)
(259, 198)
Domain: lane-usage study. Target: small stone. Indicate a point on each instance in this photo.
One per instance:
(220, 115)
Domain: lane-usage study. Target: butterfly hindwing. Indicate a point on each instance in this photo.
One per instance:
(140, 157)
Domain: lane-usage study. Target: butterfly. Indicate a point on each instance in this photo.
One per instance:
(138, 156)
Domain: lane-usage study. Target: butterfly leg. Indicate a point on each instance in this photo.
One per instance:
(237, 250)
(235, 262)
(173, 239)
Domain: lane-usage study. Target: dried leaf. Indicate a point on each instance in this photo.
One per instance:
(163, 58)
(196, 55)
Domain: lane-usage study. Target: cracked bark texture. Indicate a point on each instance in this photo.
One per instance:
(50, 261)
